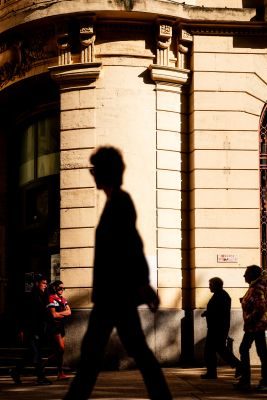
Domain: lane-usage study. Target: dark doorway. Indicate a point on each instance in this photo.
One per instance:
(29, 191)
(33, 203)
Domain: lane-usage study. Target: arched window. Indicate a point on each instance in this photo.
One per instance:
(263, 185)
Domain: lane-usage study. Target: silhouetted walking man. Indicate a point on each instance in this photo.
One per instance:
(218, 323)
(120, 284)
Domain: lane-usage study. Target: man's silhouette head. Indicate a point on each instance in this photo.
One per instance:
(215, 284)
(107, 167)
(252, 273)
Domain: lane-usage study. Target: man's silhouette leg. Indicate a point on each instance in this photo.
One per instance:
(133, 339)
(210, 357)
(92, 354)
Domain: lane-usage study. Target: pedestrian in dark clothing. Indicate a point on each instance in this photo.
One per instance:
(218, 324)
(254, 306)
(120, 284)
(32, 331)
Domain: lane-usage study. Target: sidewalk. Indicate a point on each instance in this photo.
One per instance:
(185, 384)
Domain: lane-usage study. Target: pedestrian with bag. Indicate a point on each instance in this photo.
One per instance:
(218, 323)
(254, 306)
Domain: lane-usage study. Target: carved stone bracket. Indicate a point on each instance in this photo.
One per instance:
(64, 49)
(87, 39)
(184, 43)
(164, 42)
(76, 76)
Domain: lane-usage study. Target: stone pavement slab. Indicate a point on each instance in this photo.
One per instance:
(185, 384)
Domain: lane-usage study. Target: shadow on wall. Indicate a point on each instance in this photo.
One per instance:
(115, 357)
(259, 5)
(177, 337)
(162, 331)
(164, 335)
(240, 42)
(252, 3)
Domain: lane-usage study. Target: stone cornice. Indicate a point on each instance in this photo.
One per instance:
(20, 12)
(79, 75)
(169, 75)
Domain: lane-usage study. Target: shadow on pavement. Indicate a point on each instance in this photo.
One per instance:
(185, 384)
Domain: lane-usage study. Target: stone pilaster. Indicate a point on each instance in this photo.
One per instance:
(171, 126)
(171, 117)
(77, 84)
(172, 190)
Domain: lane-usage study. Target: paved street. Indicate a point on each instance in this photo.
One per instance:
(185, 384)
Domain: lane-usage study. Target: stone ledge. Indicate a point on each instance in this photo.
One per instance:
(78, 75)
(160, 73)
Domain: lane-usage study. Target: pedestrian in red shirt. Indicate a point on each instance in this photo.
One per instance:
(59, 309)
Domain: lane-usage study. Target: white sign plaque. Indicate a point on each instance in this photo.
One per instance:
(227, 258)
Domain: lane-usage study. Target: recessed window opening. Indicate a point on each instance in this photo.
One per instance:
(39, 149)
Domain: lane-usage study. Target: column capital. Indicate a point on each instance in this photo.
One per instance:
(78, 75)
(169, 75)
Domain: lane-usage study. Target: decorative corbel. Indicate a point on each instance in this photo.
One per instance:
(164, 42)
(87, 39)
(64, 48)
(184, 43)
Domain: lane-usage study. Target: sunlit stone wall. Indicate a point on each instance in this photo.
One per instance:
(179, 89)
